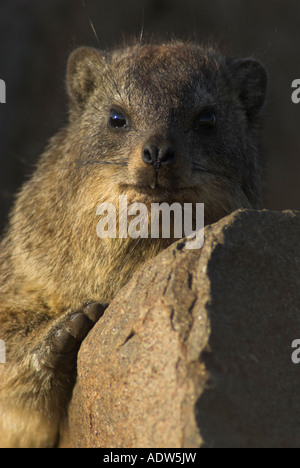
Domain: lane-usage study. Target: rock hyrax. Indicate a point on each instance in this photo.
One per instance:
(172, 122)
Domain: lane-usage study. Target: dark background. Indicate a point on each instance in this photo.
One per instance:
(36, 37)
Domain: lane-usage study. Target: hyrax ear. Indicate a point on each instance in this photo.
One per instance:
(250, 80)
(82, 74)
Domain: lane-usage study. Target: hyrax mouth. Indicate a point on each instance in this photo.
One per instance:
(152, 192)
(137, 193)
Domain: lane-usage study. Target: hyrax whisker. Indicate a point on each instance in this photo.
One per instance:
(104, 61)
(215, 173)
(131, 70)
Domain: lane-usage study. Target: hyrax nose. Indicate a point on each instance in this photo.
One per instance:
(157, 156)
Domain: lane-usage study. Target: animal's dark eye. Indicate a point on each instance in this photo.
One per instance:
(206, 120)
(117, 119)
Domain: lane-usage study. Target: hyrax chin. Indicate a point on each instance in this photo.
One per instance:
(174, 122)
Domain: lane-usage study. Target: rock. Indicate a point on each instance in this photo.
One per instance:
(196, 349)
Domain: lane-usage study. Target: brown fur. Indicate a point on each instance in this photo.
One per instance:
(52, 261)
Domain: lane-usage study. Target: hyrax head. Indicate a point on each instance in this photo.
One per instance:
(170, 122)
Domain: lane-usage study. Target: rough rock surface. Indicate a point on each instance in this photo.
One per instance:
(196, 349)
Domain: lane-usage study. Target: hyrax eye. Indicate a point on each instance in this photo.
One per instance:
(206, 120)
(117, 119)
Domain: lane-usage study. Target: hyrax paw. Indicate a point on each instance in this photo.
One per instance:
(65, 337)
